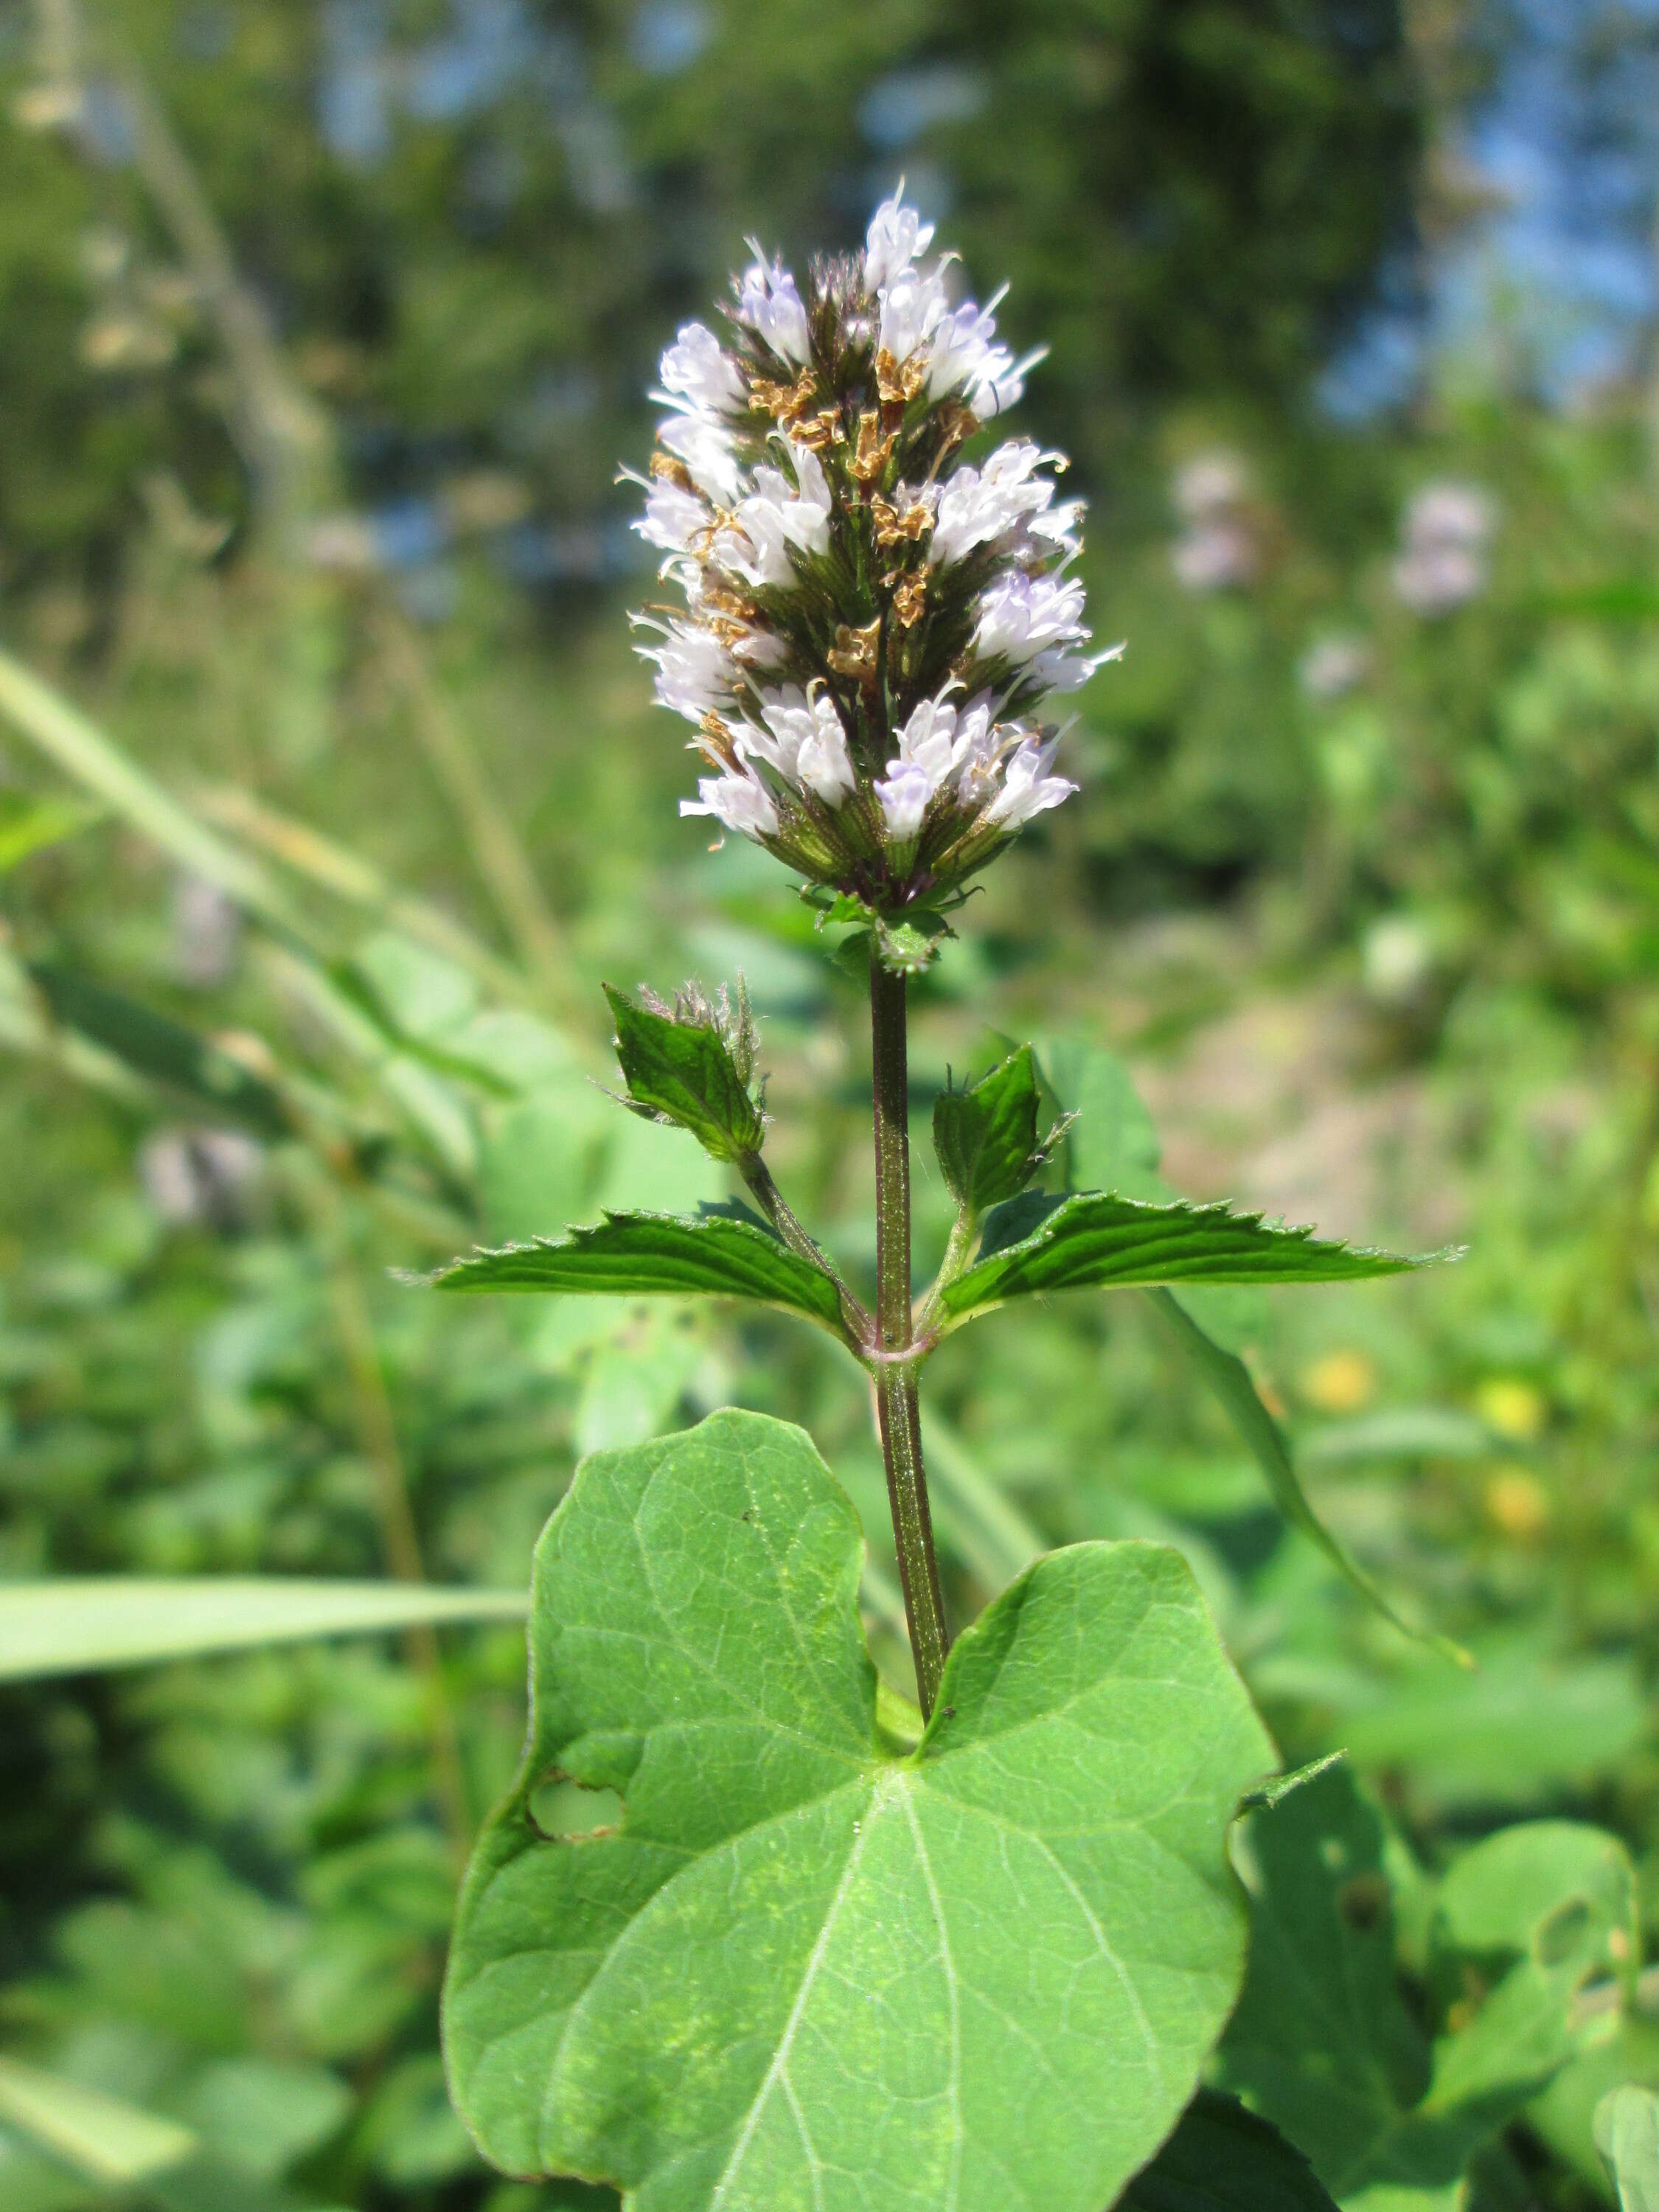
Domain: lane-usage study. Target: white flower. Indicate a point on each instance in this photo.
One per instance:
(769, 304)
(904, 799)
(673, 517)
(896, 234)
(1020, 615)
(911, 306)
(739, 802)
(1215, 557)
(777, 515)
(804, 741)
(694, 672)
(1333, 666)
(709, 452)
(1432, 579)
(1209, 484)
(1027, 787)
(1448, 513)
(1442, 561)
(931, 741)
(977, 507)
(695, 367)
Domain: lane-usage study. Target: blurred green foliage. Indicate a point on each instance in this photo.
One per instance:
(1363, 883)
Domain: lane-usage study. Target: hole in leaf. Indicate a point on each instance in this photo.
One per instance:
(564, 1811)
(1363, 1901)
(1563, 1932)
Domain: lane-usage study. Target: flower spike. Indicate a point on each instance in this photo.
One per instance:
(872, 622)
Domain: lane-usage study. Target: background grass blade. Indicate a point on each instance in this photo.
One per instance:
(80, 1624)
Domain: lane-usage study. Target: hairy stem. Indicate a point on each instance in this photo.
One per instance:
(897, 1407)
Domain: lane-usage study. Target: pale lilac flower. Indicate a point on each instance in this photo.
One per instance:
(804, 741)
(738, 802)
(911, 306)
(1019, 615)
(1211, 484)
(1219, 551)
(673, 518)
(896, 234)
(1333, 666)
(977, 507)
(1218, 557)
(696, 367)
(1442, 563)
(851, 635)
(904, 799)
(1027, 787)
(769, 305)
(708, 451)
(696, 670)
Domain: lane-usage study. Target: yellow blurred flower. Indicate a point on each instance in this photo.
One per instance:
(1339, 1382)
(1517, 1502)
(1513, 1409)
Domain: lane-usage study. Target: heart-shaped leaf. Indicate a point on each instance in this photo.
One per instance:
(1097, 1240)
(795, 1967)
(656, 1255)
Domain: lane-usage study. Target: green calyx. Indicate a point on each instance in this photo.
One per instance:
(690, 1063)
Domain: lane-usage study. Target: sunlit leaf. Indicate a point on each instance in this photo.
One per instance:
(799, 1967)
(656, 1255)
(1096, 1240)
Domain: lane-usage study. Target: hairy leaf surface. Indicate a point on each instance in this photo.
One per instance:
(682, 1072)
(798, 1971)
(985, 1136)
(655, 1255)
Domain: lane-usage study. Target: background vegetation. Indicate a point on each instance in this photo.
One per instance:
(321, 329)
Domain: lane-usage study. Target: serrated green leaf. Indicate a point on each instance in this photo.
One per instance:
(1223, 2158)
(1322, 2043)
(655, 1255)
(682, 1072)
(985, 1136)
(1096, 1240)
(1230, 1379)
(1627, 2136)
(804, 1972)
(76, 1624)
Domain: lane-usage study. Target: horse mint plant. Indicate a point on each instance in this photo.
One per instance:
(835, 1952)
